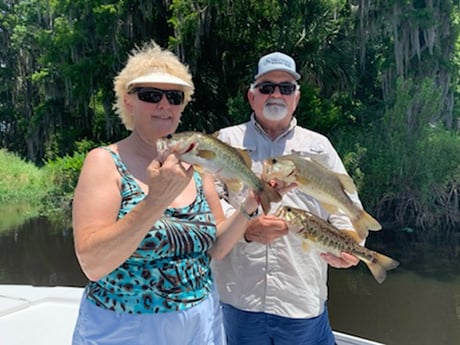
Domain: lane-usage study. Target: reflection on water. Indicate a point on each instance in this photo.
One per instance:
(418, 303)
(408, 308)
(13, 215)
(40, 254)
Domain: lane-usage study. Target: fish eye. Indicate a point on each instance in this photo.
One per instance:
(169, 136)
(274, 160)
(288, 209)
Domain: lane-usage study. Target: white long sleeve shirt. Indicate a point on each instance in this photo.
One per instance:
(280, 278)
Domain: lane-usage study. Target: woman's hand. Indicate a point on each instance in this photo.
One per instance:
(281, 186)
(168, 179)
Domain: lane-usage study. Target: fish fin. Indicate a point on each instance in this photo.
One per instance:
(353, 234)
(245, 156)
(365, 222)
(301, 180)
(206, 154)
(267, 196)
(305, 246)
(199, 168)
(243, 153)
(234, 185)
(347, 183)
(330, 208)
(320, 160)
(380, 265)
(371, 222)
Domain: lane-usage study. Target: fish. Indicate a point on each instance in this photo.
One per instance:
(326, 186)
(206, 153)
(316, 231)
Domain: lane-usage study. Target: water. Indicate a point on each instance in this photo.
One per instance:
(39, 253)
(419, 303)
(406, 309)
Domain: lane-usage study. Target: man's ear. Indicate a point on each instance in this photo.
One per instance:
(297, 100)
(251, 96)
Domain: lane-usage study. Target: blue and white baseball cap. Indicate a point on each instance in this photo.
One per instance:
(277, 62)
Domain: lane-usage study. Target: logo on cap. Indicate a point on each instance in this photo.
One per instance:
(277, 62)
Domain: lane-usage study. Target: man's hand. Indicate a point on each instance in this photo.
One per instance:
(345, 260)
(266, 229)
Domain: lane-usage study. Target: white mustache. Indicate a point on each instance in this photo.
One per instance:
(275, 102)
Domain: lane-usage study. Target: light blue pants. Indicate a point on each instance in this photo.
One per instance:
(201, 324)
(257, 328)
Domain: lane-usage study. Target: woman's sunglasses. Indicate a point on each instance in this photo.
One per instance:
(267, 88)
(154, 95)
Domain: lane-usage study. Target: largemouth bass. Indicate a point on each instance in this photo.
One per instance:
(326, 237)
(326, 186)
(207, 153)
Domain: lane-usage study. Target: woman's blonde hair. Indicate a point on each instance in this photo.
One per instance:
(142, 61)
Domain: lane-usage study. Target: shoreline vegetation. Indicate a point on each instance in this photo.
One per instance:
(415, 191)
(28, 191)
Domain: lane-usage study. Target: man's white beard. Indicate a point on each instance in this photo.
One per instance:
(275, 110)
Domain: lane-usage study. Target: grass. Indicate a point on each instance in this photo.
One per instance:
(21, 181)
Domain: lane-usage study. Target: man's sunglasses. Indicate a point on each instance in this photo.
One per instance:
(154, 95)
(267, 88)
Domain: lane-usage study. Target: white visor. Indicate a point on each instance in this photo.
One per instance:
(158, 78)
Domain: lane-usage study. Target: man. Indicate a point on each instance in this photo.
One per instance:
(272, 291)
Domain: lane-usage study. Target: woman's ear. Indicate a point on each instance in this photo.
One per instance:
(127, 102)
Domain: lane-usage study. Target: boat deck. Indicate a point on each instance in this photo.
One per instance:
(47, 315)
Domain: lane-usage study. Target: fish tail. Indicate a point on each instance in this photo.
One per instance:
(365, 222)
(267, 196)
(371, 222)
(379, 266)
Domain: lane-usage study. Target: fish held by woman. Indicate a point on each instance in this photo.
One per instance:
(326, 186)
(207, 153)
(326, 237)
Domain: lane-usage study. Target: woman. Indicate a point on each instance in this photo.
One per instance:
(145, 226)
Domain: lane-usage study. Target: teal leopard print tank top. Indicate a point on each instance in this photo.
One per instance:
(170, 269)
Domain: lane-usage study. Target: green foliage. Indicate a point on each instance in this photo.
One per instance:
(428, 199)
(353, 161)
(406, 168)
(238, 109)
(62, 173)
(404, 125)
(319, 113)
(43, 189)
(21, 180)
(374, 76)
